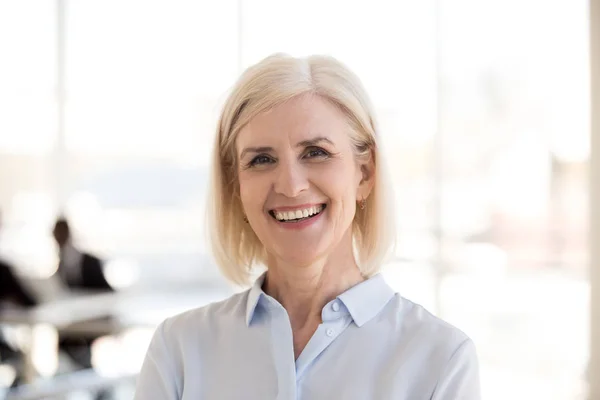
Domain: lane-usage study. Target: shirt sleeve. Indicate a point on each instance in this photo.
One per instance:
(158, 378)
(460, 379)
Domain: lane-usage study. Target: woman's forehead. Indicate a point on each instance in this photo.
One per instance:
(295, 120)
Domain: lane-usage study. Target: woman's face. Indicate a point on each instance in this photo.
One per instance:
(300, 180)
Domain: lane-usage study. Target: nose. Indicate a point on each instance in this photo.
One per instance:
(291, 179)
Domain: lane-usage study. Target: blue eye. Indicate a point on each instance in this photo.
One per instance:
(261, 159)
(316, 152)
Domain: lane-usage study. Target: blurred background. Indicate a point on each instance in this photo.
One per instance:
(107, 116)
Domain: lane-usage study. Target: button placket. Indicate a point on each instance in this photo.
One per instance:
(326, 334)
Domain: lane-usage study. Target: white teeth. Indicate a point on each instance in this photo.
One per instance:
(297, 214)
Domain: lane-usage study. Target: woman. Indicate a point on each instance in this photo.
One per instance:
(298, 186)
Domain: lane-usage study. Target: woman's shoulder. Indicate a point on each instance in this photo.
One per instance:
(183, 342)
(207, 318)
(412, 320)
(436, 355)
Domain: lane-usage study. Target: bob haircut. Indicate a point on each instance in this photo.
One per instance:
(275, 80)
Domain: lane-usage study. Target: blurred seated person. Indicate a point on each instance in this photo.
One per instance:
(12, 291)
(81, 271)
(13, 294)
(77, 269)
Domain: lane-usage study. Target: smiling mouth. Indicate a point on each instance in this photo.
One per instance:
(299, 215)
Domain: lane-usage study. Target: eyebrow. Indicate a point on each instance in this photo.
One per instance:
(314, 142)
(304, 143)
(255, 150)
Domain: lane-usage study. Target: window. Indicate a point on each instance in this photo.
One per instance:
(483, 109)
(28, 127)
(144, 85)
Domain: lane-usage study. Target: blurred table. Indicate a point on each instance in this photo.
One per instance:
(89, 313)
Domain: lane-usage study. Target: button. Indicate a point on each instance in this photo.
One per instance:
(336, 306)
(330, 332)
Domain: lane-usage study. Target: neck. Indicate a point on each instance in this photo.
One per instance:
(304, 290)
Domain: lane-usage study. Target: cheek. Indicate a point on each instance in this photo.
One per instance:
(339, 184)
(251, 191)
(343, 178)
(245, 190)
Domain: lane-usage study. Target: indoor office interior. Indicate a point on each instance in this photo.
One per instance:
(489, 115)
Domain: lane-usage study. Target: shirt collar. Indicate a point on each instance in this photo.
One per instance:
(253, 296)
(363, 301)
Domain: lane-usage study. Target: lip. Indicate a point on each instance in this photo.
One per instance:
(302, 224)
(297, 207)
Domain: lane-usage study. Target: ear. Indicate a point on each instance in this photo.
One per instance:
(367, 170)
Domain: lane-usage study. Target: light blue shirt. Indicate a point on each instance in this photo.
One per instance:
(372, 344)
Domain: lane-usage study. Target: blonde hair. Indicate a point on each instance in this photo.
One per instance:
(274, 80)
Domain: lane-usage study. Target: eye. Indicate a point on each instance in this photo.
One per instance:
(260, 159)
(316, 152)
